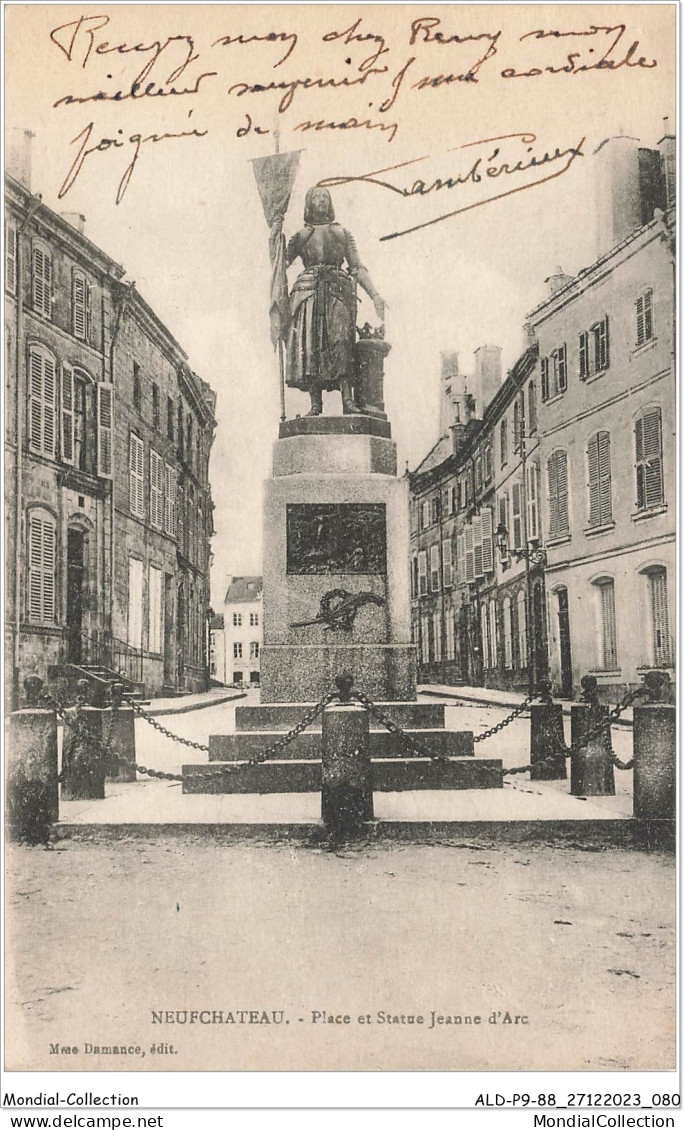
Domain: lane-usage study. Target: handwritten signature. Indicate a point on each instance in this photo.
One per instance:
(482, 169)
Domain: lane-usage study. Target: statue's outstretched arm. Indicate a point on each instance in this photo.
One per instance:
(366, 282)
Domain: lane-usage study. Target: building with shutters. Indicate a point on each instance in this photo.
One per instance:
(607, 417)
(243, 630)
(107, 438)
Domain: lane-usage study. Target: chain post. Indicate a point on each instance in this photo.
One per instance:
(546, 732)
(591, 764)
(32, 782)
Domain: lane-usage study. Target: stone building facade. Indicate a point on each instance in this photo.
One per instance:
(543, 520)
(104, 566)
(243, 630)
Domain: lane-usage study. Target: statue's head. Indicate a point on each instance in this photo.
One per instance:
(318, 207)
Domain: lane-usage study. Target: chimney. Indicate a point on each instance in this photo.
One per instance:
(529, 335)
(668, 159)
(458, 431)
(618, 191)
(18, 155)
(451, 384)
(487, 374)
(557, 280)
(76, 219)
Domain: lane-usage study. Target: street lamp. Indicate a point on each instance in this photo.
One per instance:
(536, 554)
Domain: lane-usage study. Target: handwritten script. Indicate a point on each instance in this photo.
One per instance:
(351, 78)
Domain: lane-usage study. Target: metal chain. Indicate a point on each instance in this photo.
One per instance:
(506, 721)
(163, 730)
(410, 743)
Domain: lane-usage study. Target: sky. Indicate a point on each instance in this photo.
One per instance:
(189, 228)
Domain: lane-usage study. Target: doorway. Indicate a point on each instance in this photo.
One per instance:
(564, 643)
(539, 653)
(74, 597)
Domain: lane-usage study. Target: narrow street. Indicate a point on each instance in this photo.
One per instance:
(561, 936)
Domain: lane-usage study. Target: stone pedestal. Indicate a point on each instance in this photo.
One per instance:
(336, 568)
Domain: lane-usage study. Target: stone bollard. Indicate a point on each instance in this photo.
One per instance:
(655, 744)
(591, 767)
(546, 734)
(84, 761)
(121, 729)
(346, 790)
(32, 794)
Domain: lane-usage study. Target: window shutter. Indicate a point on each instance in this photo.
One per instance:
(50, 405)
(486, 517)
(649, 460)
(434, 567)
(89, 312)
(603, 359)
(648, 315)
(42, 562)
(469, 554)
(170, 520)
(533, 501)
(662, 650)
(156, 490)
(517, 517)
(105, 430)
(136, 476)
(67, 415)
(447, 563)
(516, 426)
(484, 630)
(545, 378)
(477, 545)
(594, 495)
(562, 368)
(79, 305)
(552, 475)
(557, 468)
(36, 400)
(532, 406)
(11, 258)
(583, 356)
(494, 650)
(508, 632)
(522, 630)
(460, 559)
(610, 660)
(641, 334)
(42, 281)
(605, 486)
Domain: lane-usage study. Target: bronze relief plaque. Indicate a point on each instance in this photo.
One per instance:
(336, 538)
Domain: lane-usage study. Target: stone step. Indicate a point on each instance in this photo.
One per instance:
(307, 746)
(285, 715)
(389, 775)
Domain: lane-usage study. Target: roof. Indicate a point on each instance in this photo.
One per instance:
(216, 622)
(441, 451)
(244, 589)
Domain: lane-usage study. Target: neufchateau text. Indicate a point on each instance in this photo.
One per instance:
(430, 1019)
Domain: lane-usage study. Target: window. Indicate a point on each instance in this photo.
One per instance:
(450, 635)
(518, 423)
(237, 619)
(105, 430)
(136, 477)
(237, 651)
(180, 430)
(155, 406)
(434, 568)
(169, 500)
(533, 501)
(522, 629)
(41, 280)
(487, 462)
(503, 515)
(554, 374)
(447, 563)
(493, 648)
(460, 559)
(422, 573)
(436, 637)
(11, 257)
(254, 619)
(188, 445)
(644, 317)
(424, 641)
(450, 500)
(477, 546)
(532, 407)
(608, 658)
(663, 652)
(557, 471)
(414, 577)
(156, 490)
(425, 515)
(469, 553)
(81, 397)
(181, 524)
(170, 410)
(42, 562)
(80, 306)
(42, 401)
(649, 460)
(600, 490)
(508, 632)
(594, 350)
(503, 442)
(67, 415)
(517, 516)
(137, 387)
(254, 650)
(434, 508)
(478, 472)
(155, 635)
(135, 602)
(484, 632)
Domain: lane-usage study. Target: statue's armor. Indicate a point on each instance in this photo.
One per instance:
(328, 244)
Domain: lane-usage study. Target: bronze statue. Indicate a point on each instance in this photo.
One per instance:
(321, 337)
